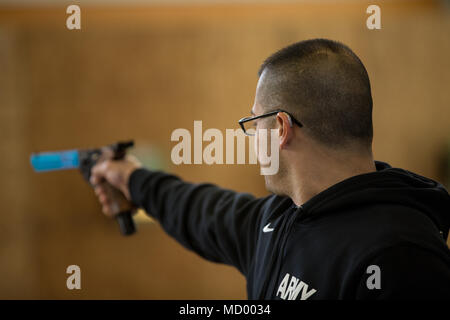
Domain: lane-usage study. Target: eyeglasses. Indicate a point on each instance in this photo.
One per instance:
(245, 122)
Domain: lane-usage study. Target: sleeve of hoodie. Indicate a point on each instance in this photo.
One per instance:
(407, 272)
(218, 224)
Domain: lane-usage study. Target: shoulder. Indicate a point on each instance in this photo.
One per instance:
(385, 225)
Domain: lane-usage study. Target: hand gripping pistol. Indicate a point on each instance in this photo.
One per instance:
(84, 160)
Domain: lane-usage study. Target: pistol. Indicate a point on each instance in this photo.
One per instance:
(84, 160)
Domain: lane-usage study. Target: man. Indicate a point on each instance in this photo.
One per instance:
(339, 225)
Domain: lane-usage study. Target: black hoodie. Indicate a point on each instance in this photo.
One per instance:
(378, 235)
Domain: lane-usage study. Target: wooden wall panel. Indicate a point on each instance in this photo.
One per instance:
(141, 73)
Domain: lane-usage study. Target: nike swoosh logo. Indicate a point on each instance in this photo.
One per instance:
(267, 229)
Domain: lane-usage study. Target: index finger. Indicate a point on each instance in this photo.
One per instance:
(98, 172)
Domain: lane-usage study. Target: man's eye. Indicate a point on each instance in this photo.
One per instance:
(254, 124)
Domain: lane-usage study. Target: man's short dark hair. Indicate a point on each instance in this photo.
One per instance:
(325, 85)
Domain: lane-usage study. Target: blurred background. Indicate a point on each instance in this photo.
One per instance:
(140, 70)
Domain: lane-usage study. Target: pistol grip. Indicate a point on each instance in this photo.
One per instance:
(126, 223)
(122, 209)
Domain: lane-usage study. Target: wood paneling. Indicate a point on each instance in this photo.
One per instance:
(142, 73)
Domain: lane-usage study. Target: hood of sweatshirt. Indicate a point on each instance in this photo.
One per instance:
(386, 185)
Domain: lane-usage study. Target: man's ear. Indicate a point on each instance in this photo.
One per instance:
(285, 129)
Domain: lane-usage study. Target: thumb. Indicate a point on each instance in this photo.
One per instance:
(99, 171)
